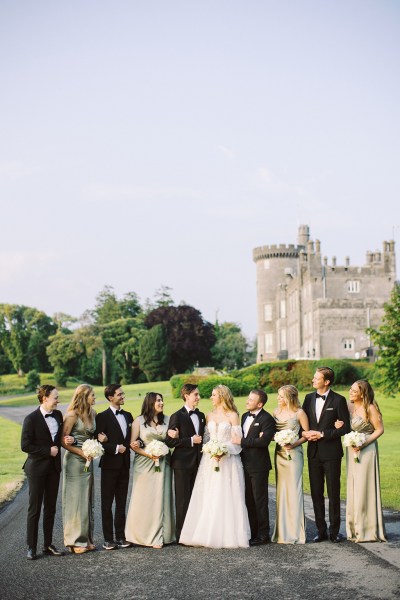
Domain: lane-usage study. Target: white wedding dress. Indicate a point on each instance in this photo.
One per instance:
(217, 515)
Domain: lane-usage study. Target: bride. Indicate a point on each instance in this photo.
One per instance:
(217, 514)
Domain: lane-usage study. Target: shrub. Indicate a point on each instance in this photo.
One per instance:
(177, 381)
(61, 376)
(208, 384)
(32, 380)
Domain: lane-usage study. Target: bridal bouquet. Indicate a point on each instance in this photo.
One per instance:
(215, 448)
(157, 448)
(284, 437)
(354, 439)
(91, 449)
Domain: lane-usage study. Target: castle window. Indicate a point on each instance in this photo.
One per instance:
(282, 309)
(267, 312)
(353, 287)
(348, 344)
(268, 343)
(266, 263)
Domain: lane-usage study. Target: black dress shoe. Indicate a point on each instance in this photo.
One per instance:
(31, 555)
(259, 541)
(52, 551)
(335, 539)
(321, 537)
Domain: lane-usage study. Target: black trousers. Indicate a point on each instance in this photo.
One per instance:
(114, 486)
(184, 482)
(43, 490)
(319, 472)
(256, 496)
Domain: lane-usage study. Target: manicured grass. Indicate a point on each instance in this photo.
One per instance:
(11, 459)
(389, 448)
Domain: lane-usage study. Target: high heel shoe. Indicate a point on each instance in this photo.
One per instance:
(158, 547)
(78, 549)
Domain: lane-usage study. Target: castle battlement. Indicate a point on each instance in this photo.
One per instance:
(276, 251)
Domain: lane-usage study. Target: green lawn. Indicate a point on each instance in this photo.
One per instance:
(389, 449)
(11, 459)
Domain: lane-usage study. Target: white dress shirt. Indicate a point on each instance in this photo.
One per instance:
(51, 423)
(122, 423)
(249, 422)
(319, 405)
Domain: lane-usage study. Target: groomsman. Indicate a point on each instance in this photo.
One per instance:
(258, 430)
(116, 424)
(323, 407)
(185, 435)
(41, 439)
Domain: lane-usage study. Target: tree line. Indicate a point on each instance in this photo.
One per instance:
(119, 340)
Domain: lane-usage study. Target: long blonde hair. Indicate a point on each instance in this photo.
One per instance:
(80, 404)
(291, 394)
(368, 396)
(227, 401)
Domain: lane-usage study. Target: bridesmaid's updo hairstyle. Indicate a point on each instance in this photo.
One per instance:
(148, 412)
(227, 401)
(44, 391)
(80, 402)
(368, 396)
(291, 395)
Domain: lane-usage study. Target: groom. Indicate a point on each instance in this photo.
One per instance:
(116, 424)
(258, 430)
(185, 435)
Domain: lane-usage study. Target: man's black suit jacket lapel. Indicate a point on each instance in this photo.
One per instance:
(43, 427)
(113, 421)
(255, 420)
(327, 404)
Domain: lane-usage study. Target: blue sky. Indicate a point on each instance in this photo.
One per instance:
(159, 141)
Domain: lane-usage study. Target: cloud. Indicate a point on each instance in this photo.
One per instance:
(126, 193)
(13, 170)
(13, 265)
(226, 152)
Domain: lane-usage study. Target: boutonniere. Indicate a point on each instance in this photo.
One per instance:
(129, 424)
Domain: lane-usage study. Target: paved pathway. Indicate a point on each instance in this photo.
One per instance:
(343, 571)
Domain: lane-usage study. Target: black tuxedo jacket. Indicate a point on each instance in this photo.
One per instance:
(255, 453)
(185, 456)
(36, 440)
(335, 408)
(107, 422)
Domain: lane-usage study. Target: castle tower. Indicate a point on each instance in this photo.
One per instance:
(276, 265)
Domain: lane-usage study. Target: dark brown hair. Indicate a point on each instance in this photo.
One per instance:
(188, 388)
(44, 392)
(110, 389)
(148, 411)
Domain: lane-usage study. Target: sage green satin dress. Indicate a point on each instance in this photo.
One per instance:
(151, 520)
(78, 492)
(364, 519)
(290, 521)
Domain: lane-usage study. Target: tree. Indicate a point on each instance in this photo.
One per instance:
(24, 333)
(189, 336)
(387, 337)
(231, 347)
(154, 354)
(64, 351)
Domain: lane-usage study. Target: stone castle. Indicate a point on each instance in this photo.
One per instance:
(309, 309)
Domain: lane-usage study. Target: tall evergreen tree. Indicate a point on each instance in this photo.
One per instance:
(154, 354)
(387, 337)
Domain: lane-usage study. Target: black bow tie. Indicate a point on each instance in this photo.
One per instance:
(49, 415)
(320, 396)
(192, 412)
(118, 412)
(251, 415)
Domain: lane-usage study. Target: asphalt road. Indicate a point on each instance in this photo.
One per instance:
(344, 571)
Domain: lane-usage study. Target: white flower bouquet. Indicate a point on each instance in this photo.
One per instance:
(215, 449)
(91, 449)
(157, 448)
(285, 437)
(354, 439)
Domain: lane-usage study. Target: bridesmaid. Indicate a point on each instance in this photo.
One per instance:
(290, 520)
(77, 491)
(150, 520)
(364, 519)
